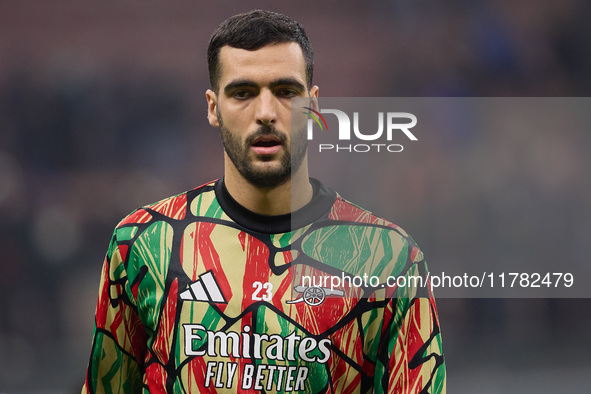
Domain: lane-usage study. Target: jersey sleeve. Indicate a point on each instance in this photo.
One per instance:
(119, 340)
(411, 355)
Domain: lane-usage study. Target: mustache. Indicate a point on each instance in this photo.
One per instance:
(265, 131)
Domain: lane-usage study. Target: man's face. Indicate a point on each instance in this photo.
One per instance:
(253, 111)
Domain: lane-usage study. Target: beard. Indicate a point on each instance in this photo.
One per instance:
(264, 176)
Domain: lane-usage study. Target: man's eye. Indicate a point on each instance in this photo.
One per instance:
(287, 93)
(241, 94)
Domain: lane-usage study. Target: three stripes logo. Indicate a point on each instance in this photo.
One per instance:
(204, 289)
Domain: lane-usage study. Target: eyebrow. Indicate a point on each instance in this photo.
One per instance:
(242, 83)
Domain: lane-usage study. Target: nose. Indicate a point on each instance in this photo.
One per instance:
(266, 111)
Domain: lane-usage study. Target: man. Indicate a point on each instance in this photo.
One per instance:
(206, 291)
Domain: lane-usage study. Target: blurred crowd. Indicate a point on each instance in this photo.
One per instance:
(102, 110)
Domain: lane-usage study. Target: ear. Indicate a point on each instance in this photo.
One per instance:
(212, 102)
(314, 98)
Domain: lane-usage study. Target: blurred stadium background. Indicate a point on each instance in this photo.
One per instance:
(102, 109)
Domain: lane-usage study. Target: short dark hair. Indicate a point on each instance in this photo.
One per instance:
(254, 30)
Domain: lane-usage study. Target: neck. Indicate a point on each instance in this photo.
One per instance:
(276, 200)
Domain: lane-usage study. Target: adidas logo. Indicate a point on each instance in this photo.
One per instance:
(204, 289)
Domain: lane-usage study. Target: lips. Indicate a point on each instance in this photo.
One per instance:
(266, 145)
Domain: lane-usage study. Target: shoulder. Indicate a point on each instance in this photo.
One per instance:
(345, 210)
(174, 207)
(350, 214)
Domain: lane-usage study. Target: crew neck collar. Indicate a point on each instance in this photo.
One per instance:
(322, 200)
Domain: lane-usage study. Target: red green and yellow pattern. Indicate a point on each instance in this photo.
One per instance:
(192, 301)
